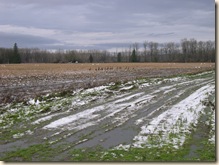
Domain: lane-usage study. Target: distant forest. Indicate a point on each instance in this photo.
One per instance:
(188, 50)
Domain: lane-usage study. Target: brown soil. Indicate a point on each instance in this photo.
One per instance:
(19, 82)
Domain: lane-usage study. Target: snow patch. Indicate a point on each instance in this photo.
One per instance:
(176, 120)
(87, 114)
(33, 102)
(95, 89)
(18, 135)
(45, 118)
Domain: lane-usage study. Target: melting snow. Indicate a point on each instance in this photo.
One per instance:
(45, 118)
(185, 112)
(33, 102)
(87, 114)
(18, 135)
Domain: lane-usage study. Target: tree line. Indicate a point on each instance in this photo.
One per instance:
(188, 50)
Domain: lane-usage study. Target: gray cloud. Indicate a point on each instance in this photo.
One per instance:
(160, 34)
(26, 41)
(104, 24)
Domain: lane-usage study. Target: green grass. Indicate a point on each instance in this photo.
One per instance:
(39, 151)
(43, 152)
(210, 151)
(116, 86)
(165, 153)
(155, 154)
(92, 94)
(45, 109)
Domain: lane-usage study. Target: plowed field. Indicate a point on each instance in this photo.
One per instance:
(24, 81)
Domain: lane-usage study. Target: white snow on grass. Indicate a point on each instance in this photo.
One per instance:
(169, 90)
(129, 97)
(87, 114)
(18, 135)
(13, 110)
(128, 103)
(175, 79)
(165, 88)
(33, 102)
(127, 87)
(45, 118)
(79, 102)
(95, 89)
(119, 110)
(212, 132)
(201, 74)
(176, 120)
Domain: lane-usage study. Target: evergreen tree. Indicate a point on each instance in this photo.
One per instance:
(133, 56)
(119, 57)
(16, 56)
(91, 58)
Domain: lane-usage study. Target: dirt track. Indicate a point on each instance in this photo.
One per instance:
(107, 115)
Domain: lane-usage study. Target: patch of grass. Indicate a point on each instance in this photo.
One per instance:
(130, 89)
(64, 94)
(34, 152)
(196, 75)
(134, 87)
(14, 116)
(209, 152)
(92, 94)
(205, 150)
(86, 154)
(116, 86)
(40, 98)
(7, 134)
(3, 110)
(165, 153)
(52, 96)
(45, 109)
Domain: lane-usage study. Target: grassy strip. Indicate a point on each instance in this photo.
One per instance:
(43, 152)
(155, 154)
(165, 153)
(39, 152)
(209, 153)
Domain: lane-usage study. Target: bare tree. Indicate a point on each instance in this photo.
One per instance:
(170, 48)
(193, 48)
(185, 49)
(145, 45)
(189, 50)
(151, 48)
(130, 52)
(209, 50)
(200, 50)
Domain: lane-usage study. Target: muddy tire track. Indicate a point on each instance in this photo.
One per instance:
(111, 121)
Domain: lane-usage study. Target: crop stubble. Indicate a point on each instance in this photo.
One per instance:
(19, 82)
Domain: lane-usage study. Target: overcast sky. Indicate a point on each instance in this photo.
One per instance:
(103, 24)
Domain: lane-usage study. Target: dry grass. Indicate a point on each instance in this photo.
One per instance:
(22, 81)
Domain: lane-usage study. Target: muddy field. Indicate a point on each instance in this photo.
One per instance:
(109, 112)
(21, 82)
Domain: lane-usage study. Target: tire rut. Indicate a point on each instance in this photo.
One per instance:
(109, 123)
